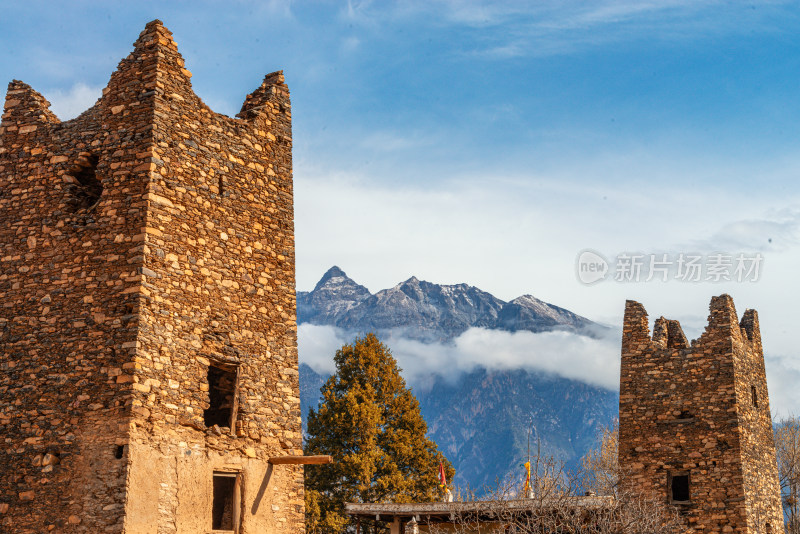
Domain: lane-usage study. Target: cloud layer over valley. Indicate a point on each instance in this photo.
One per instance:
(589, 359)
(592, 360)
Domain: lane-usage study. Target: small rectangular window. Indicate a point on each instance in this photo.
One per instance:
(226, 502)
(222, 385)
(754, 393)
(679, 488)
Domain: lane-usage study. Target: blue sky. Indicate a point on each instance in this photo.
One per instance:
(464, 141)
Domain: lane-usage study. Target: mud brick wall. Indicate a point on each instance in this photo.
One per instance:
(688, 409)
(141, 243)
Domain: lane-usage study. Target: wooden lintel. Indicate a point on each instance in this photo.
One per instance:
(305, 460)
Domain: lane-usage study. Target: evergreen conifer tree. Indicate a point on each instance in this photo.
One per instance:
(370, 422)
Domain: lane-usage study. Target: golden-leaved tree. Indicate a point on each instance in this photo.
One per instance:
(370, 422)
(600, 466)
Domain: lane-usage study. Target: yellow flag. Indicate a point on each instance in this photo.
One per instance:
(528, 477)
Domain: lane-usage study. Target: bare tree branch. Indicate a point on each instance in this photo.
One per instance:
(787, 448)
(593, 500)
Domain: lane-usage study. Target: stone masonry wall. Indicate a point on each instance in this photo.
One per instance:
(68, 321)
(219, 266)
(687, 409)
(117, 293)
(757, 441)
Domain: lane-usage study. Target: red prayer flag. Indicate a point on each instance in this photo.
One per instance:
(442, 478)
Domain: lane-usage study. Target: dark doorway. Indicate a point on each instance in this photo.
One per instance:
(225, 505)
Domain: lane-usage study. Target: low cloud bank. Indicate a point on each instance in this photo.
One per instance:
(593, 360)
(590, 360)
(317, 346)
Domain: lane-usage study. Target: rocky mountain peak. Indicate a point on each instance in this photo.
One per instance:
(528, 300)
(428, 311)
(332, 275)
(333, 296)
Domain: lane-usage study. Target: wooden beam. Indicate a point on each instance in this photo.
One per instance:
(305, 460)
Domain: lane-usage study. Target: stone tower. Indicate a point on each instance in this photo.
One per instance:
(694, 420)
(148, 351)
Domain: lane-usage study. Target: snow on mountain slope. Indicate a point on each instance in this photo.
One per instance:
(479, 417)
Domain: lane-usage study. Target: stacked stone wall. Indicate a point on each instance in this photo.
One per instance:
(687, 409)
(219, 287)
(114, 306)
(68, 318)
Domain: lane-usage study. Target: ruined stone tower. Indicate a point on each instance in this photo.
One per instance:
(148, 356)
(695, 422)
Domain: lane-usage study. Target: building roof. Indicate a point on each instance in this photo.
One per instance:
(446, 511)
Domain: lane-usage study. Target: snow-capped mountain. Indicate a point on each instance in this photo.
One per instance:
(334, 295)
(428, 312)
(481, 418)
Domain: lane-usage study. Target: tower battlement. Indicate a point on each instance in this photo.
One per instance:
(147, 308)
(695, 423)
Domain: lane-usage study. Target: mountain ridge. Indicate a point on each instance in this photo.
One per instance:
(480, 418)
(436, 312)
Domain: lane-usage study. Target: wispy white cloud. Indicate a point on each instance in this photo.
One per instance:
(68, 104)
(361, 12)
(559, 15)
(561, 27)
(490, 229)
(583, 15)
(588, 359)
(775, 231)
(569, 355)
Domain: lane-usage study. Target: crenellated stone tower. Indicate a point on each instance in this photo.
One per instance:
(148, 353)
(695, 422)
